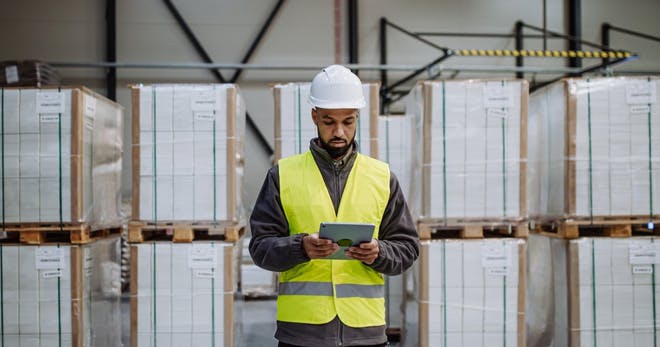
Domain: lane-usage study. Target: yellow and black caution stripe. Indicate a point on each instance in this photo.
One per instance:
(542, 53)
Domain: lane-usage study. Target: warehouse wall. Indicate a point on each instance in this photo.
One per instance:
(73, 31)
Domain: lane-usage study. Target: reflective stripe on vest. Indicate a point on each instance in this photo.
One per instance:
(316, 291)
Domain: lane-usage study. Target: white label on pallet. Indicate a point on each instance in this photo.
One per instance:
(89, 123)
(642, 269)
(495, 256)
(11, 74)
(49, 258)
(203, 101)
(88, 264)
(202, 256)
(640, 92)
(50, 102)
(208, 116)
(205, 273)
(498, 96)
(497, 112)
(643, 253)
(52, 273)
(49, 118)
(640, 109)
(90, 106)
(497, 271)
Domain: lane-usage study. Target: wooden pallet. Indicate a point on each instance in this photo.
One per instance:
(471, 229)
(41, 233)
(179, 232)
(607, 227)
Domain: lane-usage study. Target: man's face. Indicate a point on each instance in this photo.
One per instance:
(336, 128)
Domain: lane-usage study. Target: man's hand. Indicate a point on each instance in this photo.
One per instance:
(367, 252)
(318, 248)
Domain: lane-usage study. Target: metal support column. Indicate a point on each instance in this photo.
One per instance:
(574, 26)
(383, 61)
(353, 32)
(605, 38)
(518, 31)
(111, 48)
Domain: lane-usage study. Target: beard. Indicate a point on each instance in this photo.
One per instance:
(336, 152)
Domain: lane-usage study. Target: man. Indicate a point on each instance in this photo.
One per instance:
(324, 302)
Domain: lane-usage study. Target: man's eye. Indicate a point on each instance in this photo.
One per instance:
(328, 123)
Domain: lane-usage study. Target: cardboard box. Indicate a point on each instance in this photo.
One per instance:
(293, 120)
(593, 149)
(188, 153)
(592, 291)
(183, 292)
(62, 294)
(468, 293)
(62, 150)
(470, 138)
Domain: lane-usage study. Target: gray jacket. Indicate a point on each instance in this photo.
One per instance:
(272, 248)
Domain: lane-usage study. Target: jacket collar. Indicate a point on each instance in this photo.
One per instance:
(323, 158)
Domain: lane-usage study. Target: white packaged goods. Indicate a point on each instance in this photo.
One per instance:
(182, 294)
(597, 291)
(471, 146)
(188, 152)
(395, 147)
(468, 293)
(294, 127)
(594, 148)
(61, 295)
(61, 157)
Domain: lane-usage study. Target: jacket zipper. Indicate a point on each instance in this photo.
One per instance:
(340, 341)
(335, 185)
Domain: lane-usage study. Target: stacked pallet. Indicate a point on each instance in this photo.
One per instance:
(468, 183)
(471, 145)
(294, 127)
(182, 294)
(468, 293)
(394, 148)
(187, 162)
(27, 73)
(61, 294)
(187, 214)
(61, 165)
(593, 178)
(594, 166)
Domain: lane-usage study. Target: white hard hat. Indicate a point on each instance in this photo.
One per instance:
(336, 87)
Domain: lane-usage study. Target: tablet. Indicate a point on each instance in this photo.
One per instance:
(345, 235)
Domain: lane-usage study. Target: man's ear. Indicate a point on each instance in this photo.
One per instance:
(315, 116)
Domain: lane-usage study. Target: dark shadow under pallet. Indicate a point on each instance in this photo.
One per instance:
(179, 232)
(41, 233)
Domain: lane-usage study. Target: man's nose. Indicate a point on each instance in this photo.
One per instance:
(338, 131)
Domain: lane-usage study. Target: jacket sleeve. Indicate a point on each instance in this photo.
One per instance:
(398, 241)
(271, 246)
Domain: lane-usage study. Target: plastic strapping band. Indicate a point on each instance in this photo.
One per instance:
(593, 288)
(591, 196)
(153, 125)
(153, 295)
(359, 130)
(503, 167)
(444, 293)
(444, 154)
(215, 217)
(650, 169)
(299, 122)
(59, 143)
(655, 326)
(59, 307)
(504, 301)
(213, 301)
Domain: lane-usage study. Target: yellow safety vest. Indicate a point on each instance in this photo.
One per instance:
(316, 291)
